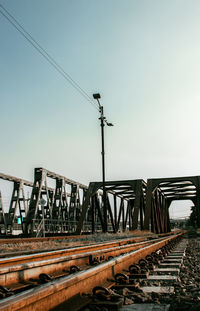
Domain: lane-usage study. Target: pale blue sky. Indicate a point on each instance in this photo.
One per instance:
(144, 59)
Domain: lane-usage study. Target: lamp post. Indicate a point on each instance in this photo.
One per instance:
(103, 121)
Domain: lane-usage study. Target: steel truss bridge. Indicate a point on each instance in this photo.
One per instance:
(73, 208)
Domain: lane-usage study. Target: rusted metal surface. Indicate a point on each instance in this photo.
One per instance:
(44, 239)
(55, 292)
(21, 269)
(13, 260)
(71, 237)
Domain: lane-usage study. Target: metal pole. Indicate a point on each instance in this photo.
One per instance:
(43, 223)
(103, 170)
(103, 121)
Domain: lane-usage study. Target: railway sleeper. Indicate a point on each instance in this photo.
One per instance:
(5, 292)
(155, 255)
(136, 271)
(105, 297)
(34, 282)
(130, 284)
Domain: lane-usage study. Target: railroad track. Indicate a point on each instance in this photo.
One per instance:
(17, 240)
(33, 239)
(81, 243)
(68, 273)
(19, 269)
(66, 243)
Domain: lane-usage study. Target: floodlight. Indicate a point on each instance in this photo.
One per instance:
(96, 96)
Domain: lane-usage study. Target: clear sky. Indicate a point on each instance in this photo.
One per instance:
(143, 56)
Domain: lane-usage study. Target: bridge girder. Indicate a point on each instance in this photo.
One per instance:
(73, 207)
(174, 188)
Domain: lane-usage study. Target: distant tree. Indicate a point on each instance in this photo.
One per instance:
(181, 224)
(192, 221)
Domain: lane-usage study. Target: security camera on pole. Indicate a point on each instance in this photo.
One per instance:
(102, 123)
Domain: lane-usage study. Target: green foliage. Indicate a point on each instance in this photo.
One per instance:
(192, 221)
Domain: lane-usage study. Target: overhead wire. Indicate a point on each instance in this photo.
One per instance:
(45, 54)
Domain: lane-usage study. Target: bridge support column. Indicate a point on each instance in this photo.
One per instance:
(137, 205)
(91, 190)
(147, 217)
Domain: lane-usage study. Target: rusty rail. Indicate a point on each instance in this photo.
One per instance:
(52, 294)
(19, 270)
(49, 254)
(41, 239)
(69, 237)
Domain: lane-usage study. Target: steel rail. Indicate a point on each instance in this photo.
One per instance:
(50, 295)
(66, 237)
(20, 273)
(49, 254)
(42, 239)
(66, 252)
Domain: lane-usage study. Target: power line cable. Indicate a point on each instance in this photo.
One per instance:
(45, 54)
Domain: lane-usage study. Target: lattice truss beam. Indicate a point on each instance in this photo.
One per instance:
(161, 192)
(69, 206)
(125, 205)
(18, 203)
(62, 208)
